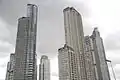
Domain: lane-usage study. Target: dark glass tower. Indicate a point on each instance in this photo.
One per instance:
(25, 51)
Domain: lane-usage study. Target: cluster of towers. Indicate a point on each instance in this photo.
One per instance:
(23, 63)
(81, 58)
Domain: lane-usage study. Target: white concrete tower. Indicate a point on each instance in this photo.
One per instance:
(74, 37)
(90, 59)
(67, 63)
(100, 57)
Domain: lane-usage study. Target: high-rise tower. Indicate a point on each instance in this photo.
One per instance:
(67, 63)
(100, 57)
(10, 67)
(90, 59)
(25, 51)
(74, 37)
(44, 68)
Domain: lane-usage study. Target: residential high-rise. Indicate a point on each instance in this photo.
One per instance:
(74, 37)
(67, 63)
(44, 68)
(90, 59)
(100, 57)
(25, 51)
(10, 67)
(32, 11)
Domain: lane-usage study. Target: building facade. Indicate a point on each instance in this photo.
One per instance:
(25, 51)
(10, 67)
(74, 37)
(67, 63)
(90, 59)
(100, 57)
(44, 68)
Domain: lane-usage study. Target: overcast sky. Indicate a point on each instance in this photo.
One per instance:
(104, 14)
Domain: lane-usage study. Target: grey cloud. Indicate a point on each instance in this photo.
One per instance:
(11, 10)
(112, 41)
(5, 48)
(3, 65)
(7, 34)
(4, 31)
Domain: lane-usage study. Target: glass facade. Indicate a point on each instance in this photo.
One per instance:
(25, 51)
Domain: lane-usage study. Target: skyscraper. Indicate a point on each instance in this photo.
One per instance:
(67, 63)
(90, 59)
(10, 67)
(25, 51)
(100, 57)
(74, 37)
(44, 68)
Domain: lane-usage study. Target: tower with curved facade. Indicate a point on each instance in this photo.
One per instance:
(25, 52)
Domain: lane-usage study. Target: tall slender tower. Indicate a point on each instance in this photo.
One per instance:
(25, 51)
(100, 57)
(44, 68)
(10, 67)
(74, 37)
(32, 14)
